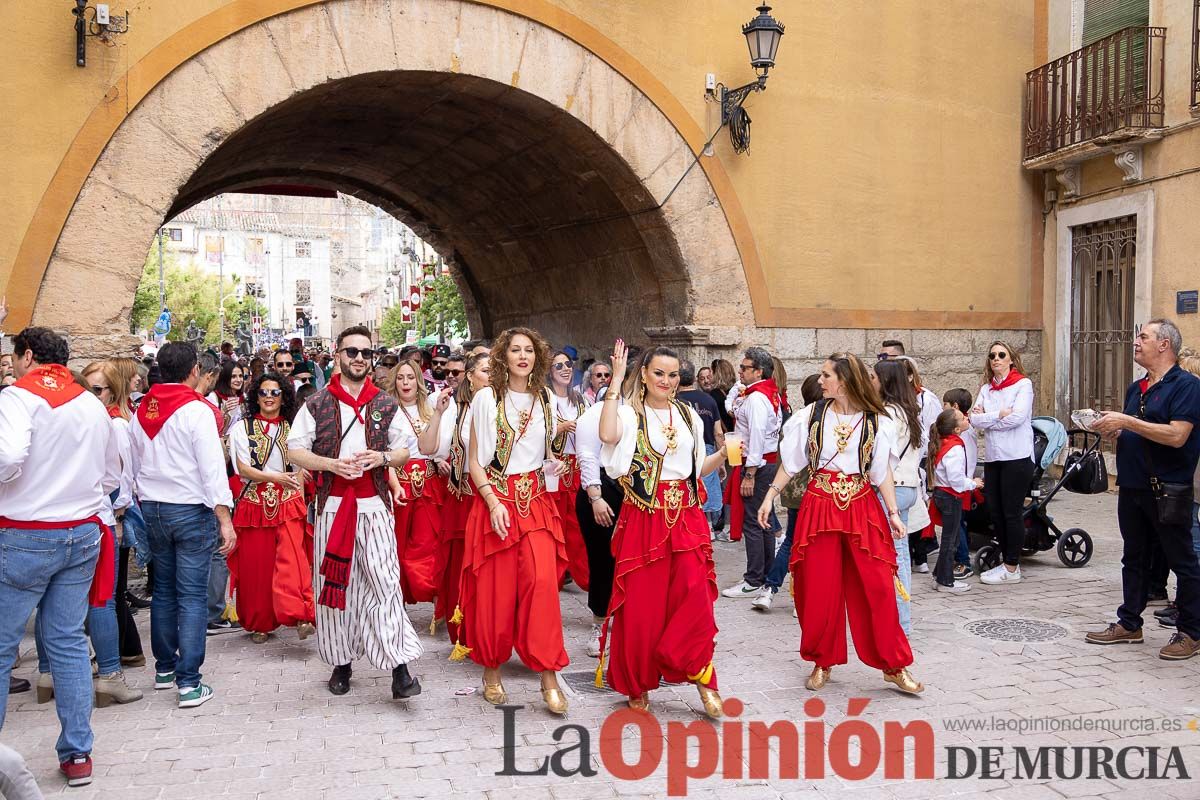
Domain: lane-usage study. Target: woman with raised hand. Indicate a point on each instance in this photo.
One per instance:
(514, 555)
(445, 439)
(420, 491)
(569, 404)
(843, 554)
(660, 617)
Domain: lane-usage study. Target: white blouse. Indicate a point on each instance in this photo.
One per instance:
(1010, 438)
(794, 450)
(446, 431)
(566, 411)
(951, 471)
(239, 447)
(907, 468)
(410, 422)
(689, 452)
(529, 451)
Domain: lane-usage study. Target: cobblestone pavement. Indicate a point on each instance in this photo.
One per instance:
(274, 731)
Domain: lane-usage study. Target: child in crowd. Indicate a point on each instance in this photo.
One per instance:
(952, 486)
(961, 399)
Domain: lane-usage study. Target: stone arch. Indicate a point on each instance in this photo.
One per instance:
(531, 163)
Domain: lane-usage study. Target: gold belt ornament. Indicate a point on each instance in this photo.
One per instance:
(673, 499)
(525, 488)
(414, 474)
(843, 488)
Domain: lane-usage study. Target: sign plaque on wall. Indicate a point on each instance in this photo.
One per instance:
(1187, 302)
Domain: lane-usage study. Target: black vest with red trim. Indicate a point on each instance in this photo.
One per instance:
(816, 437)
(641, 482)
(506, 437)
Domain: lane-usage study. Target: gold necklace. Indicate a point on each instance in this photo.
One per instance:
(668, 430)
(843, 431)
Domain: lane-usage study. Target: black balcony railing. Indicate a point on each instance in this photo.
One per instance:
(1111, 85)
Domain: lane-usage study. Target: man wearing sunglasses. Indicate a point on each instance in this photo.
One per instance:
(384, 367)
(439, 360)
(348, 435)
(455, 367)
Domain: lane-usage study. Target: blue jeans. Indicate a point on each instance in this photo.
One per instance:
(218, 582)
(783, 554)
(905, 497)
(101, 629)
(135, 535)
(712, 487)
(182, 541)
(51, 571)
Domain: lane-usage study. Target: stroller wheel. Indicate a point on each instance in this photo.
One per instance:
(987, 557)
(1075, 547)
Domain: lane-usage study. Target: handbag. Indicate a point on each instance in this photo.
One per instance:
(1085, 473)
(1173, 501)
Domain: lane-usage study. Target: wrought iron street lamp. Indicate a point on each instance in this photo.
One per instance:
(762, 37)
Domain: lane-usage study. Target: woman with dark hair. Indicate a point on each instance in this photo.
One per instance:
(513, 554)
(900, 400)
(569, 404)
(227, 394)
(1004, 412)
(445, 439)
(271, 567)
(724, 377)
(420, 488)
(661, 613)
(843, 555)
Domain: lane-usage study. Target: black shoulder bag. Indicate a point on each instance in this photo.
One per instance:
(1173, 500)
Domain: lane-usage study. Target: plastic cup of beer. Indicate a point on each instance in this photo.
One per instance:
(733, 449)
(550, 468)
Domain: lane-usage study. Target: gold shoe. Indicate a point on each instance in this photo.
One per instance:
(494, 693)
(640, 703)
(819, 677)
(713, 706)
(904, 681)
(556, 701)
(258, 637)
(305, 630)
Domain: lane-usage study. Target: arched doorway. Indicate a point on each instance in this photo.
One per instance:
(534, 167)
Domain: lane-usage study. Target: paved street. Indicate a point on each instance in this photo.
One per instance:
(274, 731)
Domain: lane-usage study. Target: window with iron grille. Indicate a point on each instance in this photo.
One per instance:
(176, 234)
(303, 292)
(303, 249)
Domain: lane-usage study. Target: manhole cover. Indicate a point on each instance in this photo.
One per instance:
(584, 682)
(1015, 629)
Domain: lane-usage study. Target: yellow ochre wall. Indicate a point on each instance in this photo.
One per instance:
(883, 187)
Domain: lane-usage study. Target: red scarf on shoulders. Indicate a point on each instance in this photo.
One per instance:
(935, 516)
(769, 388)
(163, 400)
(357, 404)
(54, 383)
(1012, 378)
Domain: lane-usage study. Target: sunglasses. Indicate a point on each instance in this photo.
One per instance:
(281, 364)
(744, 367)
(882, 356)
(454, 373)
(562, 365)
(602, 375)
(438, 363)
(997, 356)
(354, 352)
(270, 392)
(389, 364)
(98, 389)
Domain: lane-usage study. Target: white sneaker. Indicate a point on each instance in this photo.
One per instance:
(593, 648)
(958, 588)
(922, 568)
(742, 589)
(1000, 575)
(763, 601)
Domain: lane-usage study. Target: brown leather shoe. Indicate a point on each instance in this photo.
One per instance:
(1115, 634)
(1180, 648)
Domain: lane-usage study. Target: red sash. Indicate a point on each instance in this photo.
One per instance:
(339, 550)
(105, 576)
(54, 383)
(163, 400)
(734, 499)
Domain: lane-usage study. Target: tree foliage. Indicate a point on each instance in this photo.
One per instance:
(191, 294)
(442, 313)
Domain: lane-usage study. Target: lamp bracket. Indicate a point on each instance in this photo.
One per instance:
(732, 99)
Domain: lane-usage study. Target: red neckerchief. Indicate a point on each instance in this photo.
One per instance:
(221, 398)
(935, 515)
(1144, 384)
(366, 395)
(769, 389)
(114, 412)
(54, 383)
(163, 400)
(267, 423)
(1012, 378)
(949, 442)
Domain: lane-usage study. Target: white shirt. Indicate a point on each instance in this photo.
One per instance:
(566, 411)
(184, 463)
(239, 449)
(908, 468)
(304, 433)
(125, 451)
(446, 431)
(529, 451)
(56, 464)
(758, 423)
(689, 455)
(794, 453)
(1010, 438)
(929, 408)
(951, 471)
(235, 416)
(588, 445)
(410, 421)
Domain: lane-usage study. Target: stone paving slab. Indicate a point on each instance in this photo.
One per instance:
(273, 730)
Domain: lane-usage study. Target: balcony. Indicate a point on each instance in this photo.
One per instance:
(1096, 99)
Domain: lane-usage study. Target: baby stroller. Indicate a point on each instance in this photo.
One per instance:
(1074, 545)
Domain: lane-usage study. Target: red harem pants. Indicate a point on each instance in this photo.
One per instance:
(509, 590)
(661, 614)
(450, 557)
(564, 498)
(417, 524)
(271, 568)
(844, 563)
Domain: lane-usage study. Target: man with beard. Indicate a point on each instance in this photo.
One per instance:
(439, 358)
(456, 365)
(348, 435)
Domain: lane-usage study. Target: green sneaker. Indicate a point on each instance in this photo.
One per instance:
(164, 680)
(196, 696)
